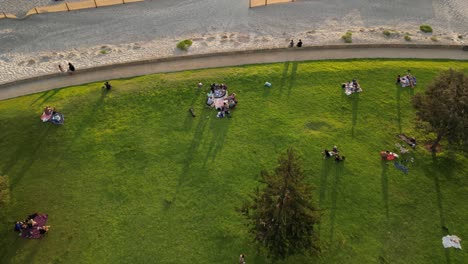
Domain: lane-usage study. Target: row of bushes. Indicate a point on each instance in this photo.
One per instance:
(348, 36)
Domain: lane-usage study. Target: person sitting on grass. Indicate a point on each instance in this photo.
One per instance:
(43, 229)
(107, 86)
(327, 154)
(335, 149)
(19, 226)
(48, 110)
(339, 158)
(31, 223)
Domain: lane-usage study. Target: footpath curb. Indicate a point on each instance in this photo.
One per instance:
(230, 58)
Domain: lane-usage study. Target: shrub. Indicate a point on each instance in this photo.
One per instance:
(184, 44)
(103, 51)
(387, 33)
(434, 38)
(348, 37)
(425, 28)
(407, 38)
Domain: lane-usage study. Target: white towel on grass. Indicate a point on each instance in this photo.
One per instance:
(451, 241)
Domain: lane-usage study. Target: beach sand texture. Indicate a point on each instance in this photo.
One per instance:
(151, 29)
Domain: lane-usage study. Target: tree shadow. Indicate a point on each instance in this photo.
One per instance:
(355, 108)
(284, 76)
(384, 179)
(339, 168)
(398, 103)
(292, 77)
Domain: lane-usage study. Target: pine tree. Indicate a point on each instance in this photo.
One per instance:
(281, 216)
(443, 108)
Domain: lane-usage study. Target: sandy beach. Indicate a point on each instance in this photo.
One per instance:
(36, 45)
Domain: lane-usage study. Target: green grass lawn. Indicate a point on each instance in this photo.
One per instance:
(132, 178)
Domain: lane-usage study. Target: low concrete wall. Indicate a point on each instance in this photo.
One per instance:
(65, 7)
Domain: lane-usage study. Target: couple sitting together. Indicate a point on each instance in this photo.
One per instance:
(334, 153)
(351, 87)
(407, 80)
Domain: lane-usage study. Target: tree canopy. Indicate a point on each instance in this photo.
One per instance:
(443, 108)
(281, 215)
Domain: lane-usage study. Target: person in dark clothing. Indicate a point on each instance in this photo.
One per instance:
(71, 68)
(291, 44)
(32, 216)
(299, 44)
(398, 79)
(43, 229)
(107, 86)
(18, 226)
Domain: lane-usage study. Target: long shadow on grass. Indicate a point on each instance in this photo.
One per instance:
(189, 157)
(86, 121)
(219, 130)
(443, 228)
(46, 96)
(188, 122)
(27, 153)
(355, 107)
(385, 186)
(339, 168)
(326, 165)
(398, 103)
(292, 77)
(284, 76)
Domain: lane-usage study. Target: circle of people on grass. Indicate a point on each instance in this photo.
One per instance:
(33, 227)
(219, 98)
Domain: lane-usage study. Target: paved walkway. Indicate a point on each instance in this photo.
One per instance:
(53, 81)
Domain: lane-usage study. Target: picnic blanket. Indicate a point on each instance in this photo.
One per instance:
(451, 241)
(41, 220)
(219, 102)
(57, 118)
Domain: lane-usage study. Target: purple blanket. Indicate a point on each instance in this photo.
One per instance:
(41, 221)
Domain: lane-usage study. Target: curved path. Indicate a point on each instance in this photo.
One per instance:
(53, 81)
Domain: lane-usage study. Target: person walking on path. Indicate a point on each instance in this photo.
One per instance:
(299, 44)
(291, 44)
(71, 68)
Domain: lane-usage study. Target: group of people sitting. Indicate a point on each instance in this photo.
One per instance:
(219, 99)
(333, 153)
(50, 115)
(33, 226)
(407, 80)
(351, 87)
